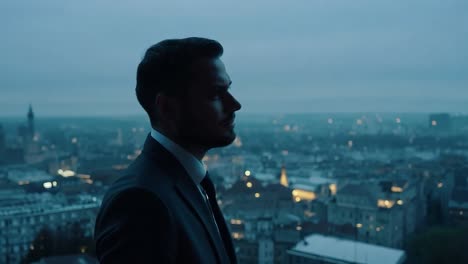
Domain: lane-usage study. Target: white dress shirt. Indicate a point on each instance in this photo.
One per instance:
(194, 167)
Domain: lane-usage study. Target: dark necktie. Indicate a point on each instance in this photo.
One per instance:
(210, 191)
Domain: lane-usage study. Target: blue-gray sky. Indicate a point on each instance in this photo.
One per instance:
(80, 57)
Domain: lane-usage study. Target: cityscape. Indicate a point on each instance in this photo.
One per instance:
(294, 188)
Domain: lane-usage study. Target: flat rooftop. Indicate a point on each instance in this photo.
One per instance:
(337, 249)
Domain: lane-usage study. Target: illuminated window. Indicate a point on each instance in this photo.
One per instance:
(237, 235)
(397, 189)
(332, 188)
(385, 203)
(236, 221)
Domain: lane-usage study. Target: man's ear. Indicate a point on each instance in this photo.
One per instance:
(168, 107)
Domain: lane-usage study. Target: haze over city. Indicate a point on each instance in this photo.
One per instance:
(79, 58)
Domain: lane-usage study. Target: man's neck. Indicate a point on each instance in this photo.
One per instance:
(197, 151)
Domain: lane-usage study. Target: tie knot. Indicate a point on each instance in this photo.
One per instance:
(208, 186)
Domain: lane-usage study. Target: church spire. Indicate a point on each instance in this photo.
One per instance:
(31, 121)
(284, 177)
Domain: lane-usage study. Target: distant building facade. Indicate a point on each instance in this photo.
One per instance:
(381, 213)
(23, 216)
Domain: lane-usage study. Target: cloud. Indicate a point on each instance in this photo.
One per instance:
(82, 50)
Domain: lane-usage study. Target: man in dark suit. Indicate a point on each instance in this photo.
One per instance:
(164, 208)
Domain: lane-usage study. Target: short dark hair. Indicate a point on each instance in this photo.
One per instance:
(165, 68)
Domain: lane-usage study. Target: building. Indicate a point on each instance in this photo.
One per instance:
(458, 199)
(319, 249)
(31, 127)
(69, 259)
(458, 207)
(440, 122)
(380, 212)
(24, 215)
(265, 220)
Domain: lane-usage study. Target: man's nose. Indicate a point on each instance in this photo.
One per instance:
(234, 105)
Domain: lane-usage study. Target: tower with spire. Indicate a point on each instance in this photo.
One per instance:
(284, 177)
(31, 129)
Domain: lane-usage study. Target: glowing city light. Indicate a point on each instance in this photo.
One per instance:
(385, 203)
(237, 235)
(247, 173)
(303, 195)
(397, 189)
(47, 185)
(400, 202)
(236, 221)
(434, 123)
(257, 195)
(249, 185)
(332, 188)
(358, 225)
(66, 173)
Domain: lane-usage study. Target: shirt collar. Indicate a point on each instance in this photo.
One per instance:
(194, 167)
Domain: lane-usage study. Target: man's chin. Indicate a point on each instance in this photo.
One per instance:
(225, 140)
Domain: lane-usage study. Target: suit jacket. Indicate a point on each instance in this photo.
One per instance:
(155, 213)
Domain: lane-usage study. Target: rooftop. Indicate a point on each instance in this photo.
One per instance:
(333, 248)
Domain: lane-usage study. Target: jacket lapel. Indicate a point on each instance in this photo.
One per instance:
(192, 197)
(189, 192)
(225, 233)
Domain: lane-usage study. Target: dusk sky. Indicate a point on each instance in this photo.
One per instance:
(80, 57)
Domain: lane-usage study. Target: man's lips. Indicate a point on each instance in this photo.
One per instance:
(229, 121)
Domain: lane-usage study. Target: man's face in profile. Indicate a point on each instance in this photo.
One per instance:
(208, 109)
